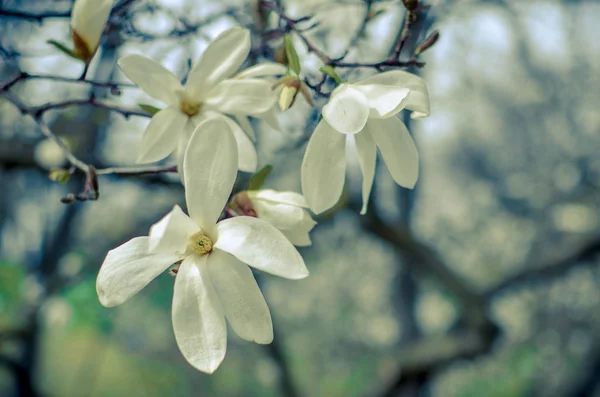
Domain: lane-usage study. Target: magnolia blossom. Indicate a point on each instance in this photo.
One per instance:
(266, 71)
(284, 210)
(212, 282)
(208, 92)
(88, 19)
(364, 113)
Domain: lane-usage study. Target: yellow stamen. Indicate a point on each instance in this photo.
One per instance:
(201, 244)
(189, 107)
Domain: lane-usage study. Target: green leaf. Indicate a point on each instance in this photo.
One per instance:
(330, 71)
(260, 177)
(64, 49)
(149, 108)
(292, 55)
(59, 175)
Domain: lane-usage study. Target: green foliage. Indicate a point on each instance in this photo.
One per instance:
(59, 175)
(330, 71)
(11, 280)
(292, 55)
(64, 49)
(258, 179)
(87, 310)
(149, 108)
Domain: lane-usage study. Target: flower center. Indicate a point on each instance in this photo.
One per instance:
(190, 107)
(201, 244)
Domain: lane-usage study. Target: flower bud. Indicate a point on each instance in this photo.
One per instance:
(286, 211)
(292, 85)
(88, 20)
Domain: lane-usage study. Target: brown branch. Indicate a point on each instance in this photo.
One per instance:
(39, 17)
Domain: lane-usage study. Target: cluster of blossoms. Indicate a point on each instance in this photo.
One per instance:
(205, 123)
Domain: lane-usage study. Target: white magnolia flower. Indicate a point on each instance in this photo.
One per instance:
(265, 71)
(284, 210)
(88, 19)
(207, 91)
(213, 281)
(366, 113)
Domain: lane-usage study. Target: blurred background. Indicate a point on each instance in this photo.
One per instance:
(483, 281)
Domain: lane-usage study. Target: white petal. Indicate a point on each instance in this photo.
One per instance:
(182, 144)
(260, 245)
(247, 157)
(347, 110)
(198, 319)
(241, 97)
(243, 303)
(246, 126)
(291, 198)
(282, 216)
(324, 168)
(89, 18)
(299, 238)
(221, 59)
(397, 149)
(417, 100)
(262, 70)
(384, 100)
(172, 232)
(271, 117)
(210, 169)
(367, 158)
(151, 77)
(129, 268)
(160, 138)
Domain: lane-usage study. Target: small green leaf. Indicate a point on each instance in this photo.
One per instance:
(59, 175)
(292, 55)
(260, 177)
(63, 48)
(149, 108)
(330, 71)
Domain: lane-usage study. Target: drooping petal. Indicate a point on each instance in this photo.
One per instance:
(347, 110)
(260, 245)
(241, 97)
(210, 166)
(282, 216)
(417, 100)
(151, 77)
(160, 138)
(384, 100)
(198, 319)
(221, 59)
(367, 158)
(88, 19)
(246, 126)
(262, 70)
(243, 303)
(247, 157)
(129, 268)
(291, 198)
(397, 149)
(172, 232)
(323, 168)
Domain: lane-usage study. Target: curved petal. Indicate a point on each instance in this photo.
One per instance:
(221, 59)
(129, 268)
(282, 216)
(347, 110)
(172, 232)
(299, 238)
(262, 70)
(151, 77)
(241, 97)
(323, 168)
(260, 245)
(210, 169)
(246, 126)
(198, 319)
(384, 101)
(291, 198)
(88, 19)
(397, 149)
(417, 100)
(271, 118)
(367, 158)
(182, 144)
(247, 157)
(243, 303)
(160, 138)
